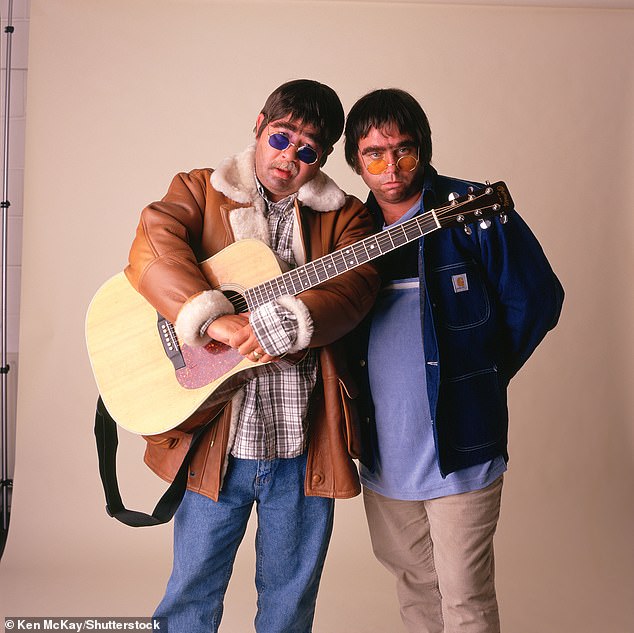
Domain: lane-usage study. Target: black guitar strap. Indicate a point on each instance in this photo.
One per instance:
(107, 442)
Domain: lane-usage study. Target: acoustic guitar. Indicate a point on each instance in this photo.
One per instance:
(150, 383)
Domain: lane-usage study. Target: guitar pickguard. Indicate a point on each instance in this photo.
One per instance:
(205, 364)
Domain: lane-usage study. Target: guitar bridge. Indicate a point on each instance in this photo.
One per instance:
(170, 342)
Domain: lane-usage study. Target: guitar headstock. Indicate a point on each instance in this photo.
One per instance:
(478, 205)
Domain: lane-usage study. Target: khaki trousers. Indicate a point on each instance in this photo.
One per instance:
(441, 553)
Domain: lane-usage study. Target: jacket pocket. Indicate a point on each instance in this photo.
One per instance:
(350, 423)
(169, 439)
(459, 296)
(164, 453)
(476, 410)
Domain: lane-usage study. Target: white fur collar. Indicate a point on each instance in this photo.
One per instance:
(234, 177)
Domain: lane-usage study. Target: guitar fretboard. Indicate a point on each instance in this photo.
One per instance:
(313, 273)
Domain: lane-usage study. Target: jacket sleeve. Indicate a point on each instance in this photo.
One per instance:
(338, 305)
(163, 260)
(530, 294)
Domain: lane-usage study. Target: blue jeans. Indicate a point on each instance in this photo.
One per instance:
(291, 541)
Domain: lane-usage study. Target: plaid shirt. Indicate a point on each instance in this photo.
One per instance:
(272, 422)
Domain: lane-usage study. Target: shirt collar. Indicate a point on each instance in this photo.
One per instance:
(280, 205)
(415, 209)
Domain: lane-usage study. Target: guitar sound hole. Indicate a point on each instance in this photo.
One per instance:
(237, 300)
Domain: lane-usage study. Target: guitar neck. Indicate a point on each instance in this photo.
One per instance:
(340, 261)
(476, 206)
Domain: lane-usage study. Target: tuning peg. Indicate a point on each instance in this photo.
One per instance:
(467, 229)
(485, 224)
(504, 218)
(453, 196)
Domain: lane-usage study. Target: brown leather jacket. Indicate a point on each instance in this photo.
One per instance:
(203, 212)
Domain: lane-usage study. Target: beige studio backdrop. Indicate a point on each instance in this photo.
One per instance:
(122, 95)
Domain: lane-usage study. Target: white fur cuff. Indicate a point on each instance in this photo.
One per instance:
(304, 321)
(200, 309)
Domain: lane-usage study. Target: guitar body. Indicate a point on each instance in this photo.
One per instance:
(140, 386)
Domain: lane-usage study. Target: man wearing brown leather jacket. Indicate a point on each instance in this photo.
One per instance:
(285, 440)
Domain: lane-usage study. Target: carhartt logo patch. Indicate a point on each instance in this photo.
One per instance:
(460, 283)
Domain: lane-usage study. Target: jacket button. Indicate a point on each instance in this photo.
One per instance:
(317, 479)
(362, 363)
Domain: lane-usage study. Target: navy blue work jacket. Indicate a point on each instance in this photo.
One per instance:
(474, 341)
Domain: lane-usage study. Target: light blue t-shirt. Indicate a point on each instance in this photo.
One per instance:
(406, 466)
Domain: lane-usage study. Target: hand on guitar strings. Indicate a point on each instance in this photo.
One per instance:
(235, 331)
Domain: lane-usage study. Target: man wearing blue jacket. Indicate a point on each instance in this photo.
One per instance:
(460, 312)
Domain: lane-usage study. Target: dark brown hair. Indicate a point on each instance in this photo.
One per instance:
(310, 102)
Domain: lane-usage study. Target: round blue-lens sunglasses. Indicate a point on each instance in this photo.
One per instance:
(305, 153)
